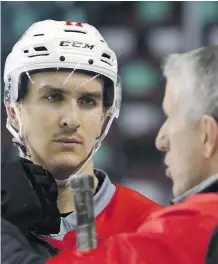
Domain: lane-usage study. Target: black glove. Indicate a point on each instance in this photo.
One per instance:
(29, 197)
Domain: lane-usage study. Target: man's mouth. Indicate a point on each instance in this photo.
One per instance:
(68, 141)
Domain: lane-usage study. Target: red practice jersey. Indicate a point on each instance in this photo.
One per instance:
(178, 234)
(120, 210)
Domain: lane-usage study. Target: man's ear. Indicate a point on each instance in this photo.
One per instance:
(12, 116)
(209, 128)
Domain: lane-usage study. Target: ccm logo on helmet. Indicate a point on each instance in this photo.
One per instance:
(76, 44)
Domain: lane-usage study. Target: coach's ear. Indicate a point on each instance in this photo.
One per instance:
(209, 129)
(12, 116)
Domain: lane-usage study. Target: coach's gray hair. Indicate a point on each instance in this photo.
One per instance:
(196, 88)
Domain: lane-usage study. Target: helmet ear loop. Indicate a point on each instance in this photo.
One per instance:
(104, 117)
(95, 148)
(18, 140)
(104, 122)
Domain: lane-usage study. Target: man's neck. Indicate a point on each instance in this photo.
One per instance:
(65, 194)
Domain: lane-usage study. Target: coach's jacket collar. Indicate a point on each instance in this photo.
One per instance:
(209, 185)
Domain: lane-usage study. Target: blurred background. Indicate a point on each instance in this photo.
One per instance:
(141, 34)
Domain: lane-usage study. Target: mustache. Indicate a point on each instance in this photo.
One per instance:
(67, 133)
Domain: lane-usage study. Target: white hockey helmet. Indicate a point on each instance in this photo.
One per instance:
(72, 46)
(59, 44)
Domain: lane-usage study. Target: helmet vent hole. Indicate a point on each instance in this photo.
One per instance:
(74, 31)
(106, 58)
(106, 62)
(38, 35)
(38, 55)
(40, 49)
(104, 55)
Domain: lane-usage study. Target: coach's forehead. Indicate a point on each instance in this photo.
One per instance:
(172, 101)
(167, 101)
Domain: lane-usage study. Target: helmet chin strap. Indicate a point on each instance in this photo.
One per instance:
(95, 148)
(18, 140)
(66, 182)
(17, 136)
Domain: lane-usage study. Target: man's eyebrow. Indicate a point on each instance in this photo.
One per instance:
(94, 94)
(51, 89)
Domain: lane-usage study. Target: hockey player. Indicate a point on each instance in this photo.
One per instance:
(62, 92)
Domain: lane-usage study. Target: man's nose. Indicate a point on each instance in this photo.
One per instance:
(162, 142)
(70, 117)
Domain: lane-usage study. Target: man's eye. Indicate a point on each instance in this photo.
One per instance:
(54, 97)
(87, 102)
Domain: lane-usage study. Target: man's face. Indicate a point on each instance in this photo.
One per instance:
(62, 115)
(182, 144)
